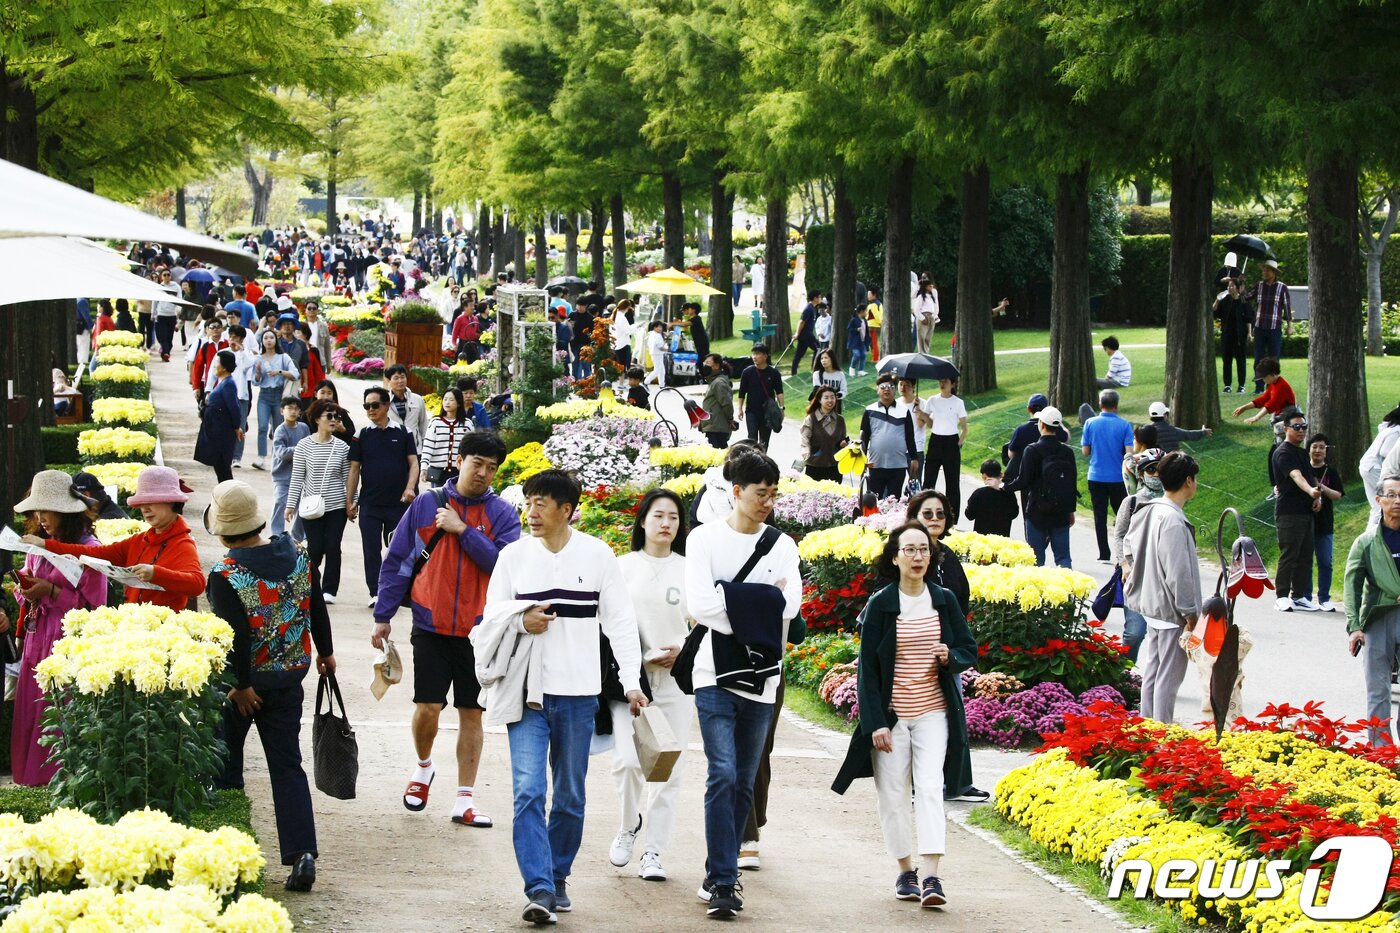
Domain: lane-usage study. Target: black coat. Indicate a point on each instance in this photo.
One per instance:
(223, 416)
(875, 686)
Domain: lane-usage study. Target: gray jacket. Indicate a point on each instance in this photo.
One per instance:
(1169, 436)
(1161, 573)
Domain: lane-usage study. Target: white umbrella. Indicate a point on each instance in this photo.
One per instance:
(47, 268)
(36, 205)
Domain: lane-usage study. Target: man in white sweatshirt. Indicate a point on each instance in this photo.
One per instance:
(575, 588)
(1162, 580)
(734, 722)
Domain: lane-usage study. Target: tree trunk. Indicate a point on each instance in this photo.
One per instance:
(1071, 381)
(262, 191)
(332, 205)
(1191, 378)
(1336, 369)
(483, 239)
(721, 322)
(417, 219)
(22, 131)
(843, 268)
(571, 244)
(896, 336)
(521, 264)
(976, 347)
(597, 247)
(775, 286)
(180, 213)
(28, 376)
(500, 243)
(541, 254)
(1143, 186)
(1375, 253)
(703, 243)
(673, 224)
(619, 243)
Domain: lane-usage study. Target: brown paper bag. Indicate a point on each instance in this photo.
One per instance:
(657, 745)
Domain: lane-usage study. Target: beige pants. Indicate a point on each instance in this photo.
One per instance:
(916, 763)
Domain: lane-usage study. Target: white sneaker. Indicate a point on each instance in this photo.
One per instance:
(1283, 604)
(748, 856)
(238, 464)
(258, 465)
(1329, 606)
(329, 598)
(372, 601)
(620, 853)
(651, 869)
(1307, 605)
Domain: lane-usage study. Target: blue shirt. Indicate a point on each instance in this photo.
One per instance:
(247, 313)
(1106, 435)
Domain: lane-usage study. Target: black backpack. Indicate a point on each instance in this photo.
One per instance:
(1058, 492)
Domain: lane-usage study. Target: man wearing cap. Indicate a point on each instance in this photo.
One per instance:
(1048, 477)
(1169, 436)
(1273, 316)
(1026, 434)
(1105, 440)
(268, 594)
(887, 437)
(288, 343)
(464, 531)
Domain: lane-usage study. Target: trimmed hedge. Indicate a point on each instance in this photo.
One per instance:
(1142, 221)
(61, 442)
(230, 808)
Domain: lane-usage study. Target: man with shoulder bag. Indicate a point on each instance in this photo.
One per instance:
(1049, 475)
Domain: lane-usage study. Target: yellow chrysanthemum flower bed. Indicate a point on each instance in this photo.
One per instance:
(845, 542)
(974, 548)
(131, 411)
(1352, 788)
(121, 475)
(581, 408)
(120, 372)
(804, 483)
(685, 485)
(463, 368)
(433, 403)
(522, 463)
(1028, 587)
(111, 530)
(356, 315)
(187, 908)
(118, 353)
(150, 647)
(116, 444)
(119, 338)
(688, 458)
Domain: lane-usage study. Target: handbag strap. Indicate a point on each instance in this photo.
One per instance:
(325, 468)
(440, 495)
(765, 544)
(329, 685)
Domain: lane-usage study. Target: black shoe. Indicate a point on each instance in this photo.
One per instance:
(724, 903)
(540, 910)
(562, 904)
(971, 794)
(303, 874)
(906, 886)
(933, 892)
(707, 890)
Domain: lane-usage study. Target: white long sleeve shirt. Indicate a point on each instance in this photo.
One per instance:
(586, 591)
(657, 587)
(716, 552)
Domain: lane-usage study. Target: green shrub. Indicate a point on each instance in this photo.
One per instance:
(61, 441)
(414, 312)
(229, 807)
(438, 378)
(369, 341)
(1144, 221)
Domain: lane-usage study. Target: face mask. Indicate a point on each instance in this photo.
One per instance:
(1154, 485)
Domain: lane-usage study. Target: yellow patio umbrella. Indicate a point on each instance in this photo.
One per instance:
(669, 282)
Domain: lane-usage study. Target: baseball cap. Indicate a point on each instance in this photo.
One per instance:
(1036, 402)
(1157, 410)
(1051, 415)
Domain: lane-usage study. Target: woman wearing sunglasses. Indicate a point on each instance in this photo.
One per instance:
(316, 493)
(44, 595)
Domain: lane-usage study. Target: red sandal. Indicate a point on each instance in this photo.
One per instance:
(419, 790)
(472, 818)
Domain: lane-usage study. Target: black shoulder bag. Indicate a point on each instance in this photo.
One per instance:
(439, 494)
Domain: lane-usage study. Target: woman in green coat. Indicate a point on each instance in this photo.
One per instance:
(912, 729)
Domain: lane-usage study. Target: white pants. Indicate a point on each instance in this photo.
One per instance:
(920, 745)
(1163, 670)
(84, 342)
(658, 372)
(660, 815)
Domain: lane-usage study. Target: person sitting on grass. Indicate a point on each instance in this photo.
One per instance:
(1120, 371)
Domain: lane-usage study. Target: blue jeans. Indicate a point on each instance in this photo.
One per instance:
(558, 736)
(1267, 342)
(269, 416)
(733, 730)
(858, 359)
(738, 290)
(245, 404)
(1057, 538)
(1322, 552)
(1134, 631)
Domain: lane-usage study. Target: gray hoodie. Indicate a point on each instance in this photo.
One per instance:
(1161, 576)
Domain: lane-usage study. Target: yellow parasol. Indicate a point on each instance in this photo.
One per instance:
(669, 282)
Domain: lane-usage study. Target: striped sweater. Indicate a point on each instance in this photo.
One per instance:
(443, 440)
(319, 469)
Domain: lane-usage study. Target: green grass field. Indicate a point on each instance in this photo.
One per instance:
(1233, 461)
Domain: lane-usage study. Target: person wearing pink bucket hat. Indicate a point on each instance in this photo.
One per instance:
(163, 554)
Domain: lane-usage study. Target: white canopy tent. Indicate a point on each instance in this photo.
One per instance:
(35, 205)
(46, 268)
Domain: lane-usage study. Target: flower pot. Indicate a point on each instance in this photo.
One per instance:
(414, 345)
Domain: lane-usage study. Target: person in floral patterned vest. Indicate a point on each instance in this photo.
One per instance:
(267, 592)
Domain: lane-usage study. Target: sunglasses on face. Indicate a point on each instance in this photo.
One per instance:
(373, 406)
(1300, 426)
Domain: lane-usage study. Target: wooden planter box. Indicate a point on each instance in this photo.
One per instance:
(414, 345)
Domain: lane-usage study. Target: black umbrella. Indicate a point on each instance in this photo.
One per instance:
(567, 281)
(918, 366)
(1250, 246)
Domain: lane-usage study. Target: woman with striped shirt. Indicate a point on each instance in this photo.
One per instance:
(912, 729)
(320, 467)
(444, 438)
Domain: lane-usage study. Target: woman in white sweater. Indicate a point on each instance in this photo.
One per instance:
(655, 575)
(320, 467)
(445, 433)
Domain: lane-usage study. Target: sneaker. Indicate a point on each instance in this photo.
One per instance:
(853, 371)
(933, 892)
(620, 853)
(971, 795)
(864, 372)
(748, 856)
(540, 910)
(562, 902)
(906, 886)
(724, 905)
(651, 869)
(1283, 604)
(371, 602)
(1306, 605)
(329, 598)
(707, 889)
(238, 464)
(1228, 390)
(1239, 389)
(1327, 606)
(258, 465)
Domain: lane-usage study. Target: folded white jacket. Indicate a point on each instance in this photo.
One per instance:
(507, 664)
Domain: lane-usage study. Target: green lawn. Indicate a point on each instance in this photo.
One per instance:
(1233, 471)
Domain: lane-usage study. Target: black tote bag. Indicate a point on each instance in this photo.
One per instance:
(334, 749)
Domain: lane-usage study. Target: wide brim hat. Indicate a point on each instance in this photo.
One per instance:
(285, 304)
(234, 510)
(159, 484)
(1270, 264)
(52, 491)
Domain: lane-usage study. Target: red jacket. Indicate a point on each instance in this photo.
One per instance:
(1276, 398)
(171, 552)
(203, 359)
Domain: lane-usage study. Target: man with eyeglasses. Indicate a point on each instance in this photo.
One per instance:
(1371, 591)
(1298, 498)
(167, 315)
(384, 464)
(205, 352)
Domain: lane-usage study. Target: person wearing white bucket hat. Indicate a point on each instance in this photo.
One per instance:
(44, 596)
(268, 593)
